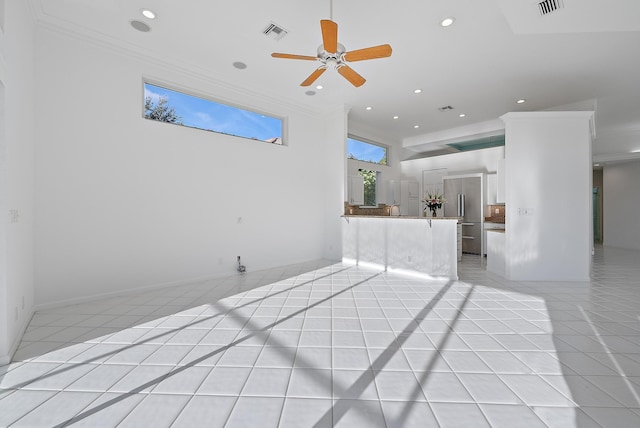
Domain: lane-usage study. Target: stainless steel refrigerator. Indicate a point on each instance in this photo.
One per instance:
(464, 199)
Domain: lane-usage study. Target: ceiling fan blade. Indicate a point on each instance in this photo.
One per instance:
(312, 78)
(373, 52)
(329, 35)
(292, 56)
(353, 77)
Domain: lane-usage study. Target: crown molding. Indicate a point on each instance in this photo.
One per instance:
(194, 72)
(618, 133)
(616, 157)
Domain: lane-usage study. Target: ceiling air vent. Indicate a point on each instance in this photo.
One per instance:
(445, 108)
(547, 6)
(274, 31)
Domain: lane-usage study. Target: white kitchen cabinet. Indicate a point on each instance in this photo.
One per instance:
(404, 194)
(500, 188)
(394, 196)
(492, 189)
(413, 189)
(356, 190)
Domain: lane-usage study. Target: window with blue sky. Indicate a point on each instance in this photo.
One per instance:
(365, 151)
(171, 106)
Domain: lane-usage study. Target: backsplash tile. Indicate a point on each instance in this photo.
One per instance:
(383, 210)
(496, 214)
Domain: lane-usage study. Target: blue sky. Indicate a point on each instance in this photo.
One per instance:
(364, 151)
(205, 114)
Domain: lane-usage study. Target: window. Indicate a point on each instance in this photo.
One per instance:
(166, 105)
(365, 151)
(370, 185)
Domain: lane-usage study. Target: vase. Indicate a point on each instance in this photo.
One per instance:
(434, 212)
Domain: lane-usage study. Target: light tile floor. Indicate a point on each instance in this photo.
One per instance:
(320, 345)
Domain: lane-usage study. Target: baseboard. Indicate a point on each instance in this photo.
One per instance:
(135, 290)
(121, 293)
(6, 358)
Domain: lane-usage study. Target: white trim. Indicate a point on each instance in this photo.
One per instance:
(6, 359)
(191, 70)
(127, 292)
(617, 157)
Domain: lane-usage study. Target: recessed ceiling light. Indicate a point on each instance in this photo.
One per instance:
(310, 93)
(447, 21)
(148, 13)
(140, 26)
(416, 126)
(368, 108)
(395, 117)
(417, 91)
(461, 115)
(520, 101)
(319, 87)
(240, 65)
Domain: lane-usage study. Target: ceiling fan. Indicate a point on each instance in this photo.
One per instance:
(332, 54)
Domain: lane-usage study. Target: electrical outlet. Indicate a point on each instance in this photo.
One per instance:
(14, 216)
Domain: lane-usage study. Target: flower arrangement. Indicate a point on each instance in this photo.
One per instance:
(433, 202)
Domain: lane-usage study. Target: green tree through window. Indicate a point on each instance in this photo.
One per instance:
(161, 111)
(369, 187)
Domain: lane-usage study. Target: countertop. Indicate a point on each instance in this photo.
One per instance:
(402, 217)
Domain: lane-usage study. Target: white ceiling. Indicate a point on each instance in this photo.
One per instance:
(497, 52)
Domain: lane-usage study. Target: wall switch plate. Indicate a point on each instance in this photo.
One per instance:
(14, 216)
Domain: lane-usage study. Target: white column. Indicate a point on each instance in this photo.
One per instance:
(548, 195)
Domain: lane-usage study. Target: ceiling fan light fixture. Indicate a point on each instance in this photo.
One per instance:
(417, 91)
(332, 63)
(396, 117)
(521, 101)
(368, 108)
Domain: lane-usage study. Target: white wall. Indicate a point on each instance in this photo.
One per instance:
(335, 154)
(621, 205)
(548, 196)
(485, 160)
(17, 141)
(125, 202)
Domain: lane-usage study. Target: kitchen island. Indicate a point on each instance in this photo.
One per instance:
(420, 246)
